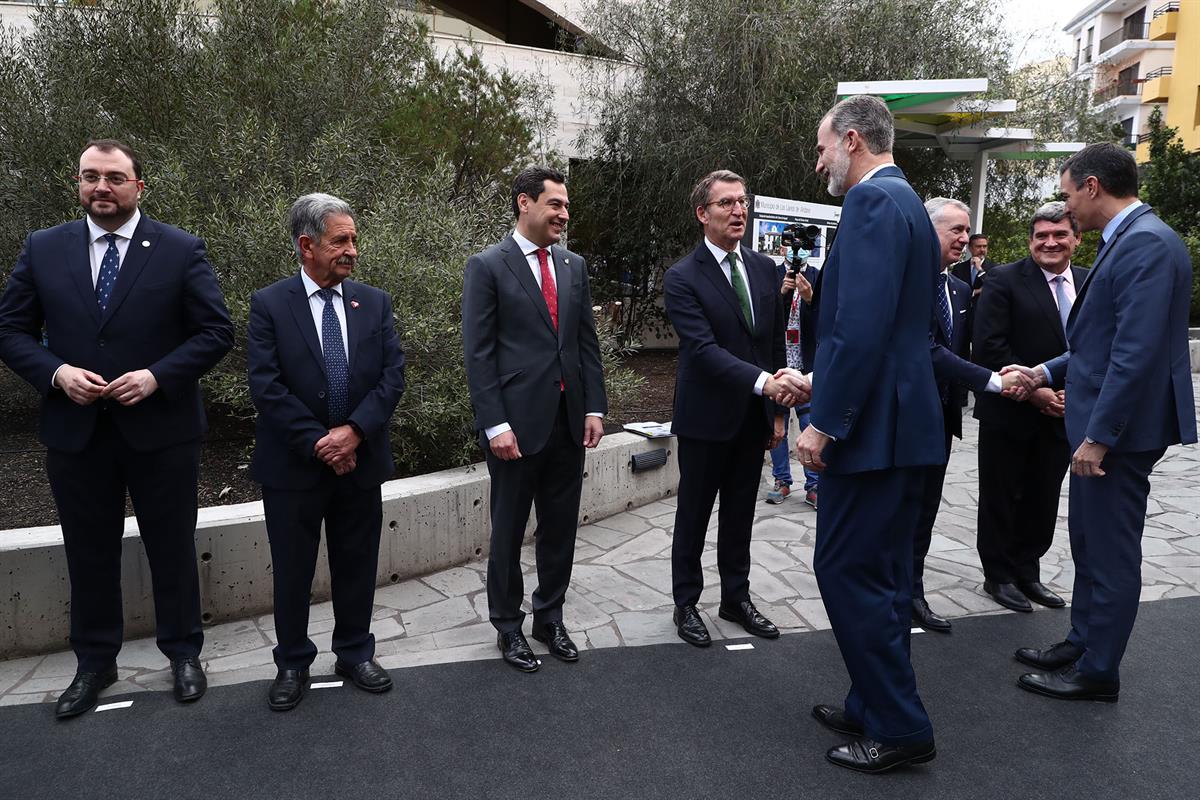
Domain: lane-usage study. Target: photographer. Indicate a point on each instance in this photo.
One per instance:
(801, 344)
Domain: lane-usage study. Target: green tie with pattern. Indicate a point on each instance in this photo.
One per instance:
(739, 288)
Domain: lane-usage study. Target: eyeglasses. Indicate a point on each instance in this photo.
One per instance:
(115, 180)
(727, 203)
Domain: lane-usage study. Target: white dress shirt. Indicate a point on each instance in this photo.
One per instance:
(1068, 284)
(722, 258)
(99, 245)
(317, 306)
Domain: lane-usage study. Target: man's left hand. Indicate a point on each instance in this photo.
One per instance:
(1086, 461)
(777, 433)
(593, 431)
(809, 447)
(338, 446)
(132, 387)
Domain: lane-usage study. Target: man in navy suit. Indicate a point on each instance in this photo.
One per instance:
(133, 316)
(949, 339)
(326, 372)
(1023, 453)
(724, 302)
(1128, 398)
(875, 429)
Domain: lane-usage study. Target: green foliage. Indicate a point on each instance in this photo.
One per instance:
(1171, 184)
(239, 110)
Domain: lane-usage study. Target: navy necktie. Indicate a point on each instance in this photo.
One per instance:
(943, 306)
(107, 277)
(337, 371)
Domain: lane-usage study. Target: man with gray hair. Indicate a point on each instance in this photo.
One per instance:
(1023, 453)
(326, 372)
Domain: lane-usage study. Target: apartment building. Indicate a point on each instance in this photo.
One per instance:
(1139, 55)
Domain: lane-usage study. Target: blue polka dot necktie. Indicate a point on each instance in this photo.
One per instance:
(107, 277)
(337, 371)
(943, 306)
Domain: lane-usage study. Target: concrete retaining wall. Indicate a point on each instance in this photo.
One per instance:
(430, 522)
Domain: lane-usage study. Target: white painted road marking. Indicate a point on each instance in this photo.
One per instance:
(111, 706)
(746, 646)
(326, 685)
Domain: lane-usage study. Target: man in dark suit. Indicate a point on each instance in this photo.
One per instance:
(1023, 453)
(133, 316)
(326, 372)
(955, 374)
(972, 270)
(723, 300)
(874, 430)
(537, 388)
(1128, 397)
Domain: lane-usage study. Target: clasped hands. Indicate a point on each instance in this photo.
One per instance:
(1087, 458)
(85, 387)
(338, 449)
(788, 388)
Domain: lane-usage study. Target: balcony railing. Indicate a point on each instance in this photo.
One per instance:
(1161, 72)
(1165, 9)
(1114, 90)
(1126, 33)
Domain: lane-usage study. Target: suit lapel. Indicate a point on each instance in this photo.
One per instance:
(302, 312)
(561, 264)
(957, 302)
(711, 270)
(1104, 251)
(514, 259)
(354, 325)
(141, 247)
(79, 266)
(1039, 291)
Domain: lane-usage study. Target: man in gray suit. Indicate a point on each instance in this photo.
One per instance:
(537, 389)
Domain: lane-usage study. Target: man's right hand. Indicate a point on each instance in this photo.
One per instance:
(82, 386)
(788, 387)
(504, 446)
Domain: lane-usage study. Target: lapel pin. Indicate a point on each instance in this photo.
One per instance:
(145, 242)
(354, 304)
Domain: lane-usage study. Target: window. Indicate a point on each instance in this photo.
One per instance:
(1087, 54)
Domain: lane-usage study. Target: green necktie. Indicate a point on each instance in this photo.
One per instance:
(739, 288)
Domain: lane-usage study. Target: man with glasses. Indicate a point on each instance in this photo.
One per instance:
(132, 317)
(724, 302)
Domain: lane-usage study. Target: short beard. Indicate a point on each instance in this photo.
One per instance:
(839, 168)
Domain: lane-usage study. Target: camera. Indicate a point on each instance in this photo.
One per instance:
(801, 239)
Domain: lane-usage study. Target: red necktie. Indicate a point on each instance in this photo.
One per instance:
(549, 290)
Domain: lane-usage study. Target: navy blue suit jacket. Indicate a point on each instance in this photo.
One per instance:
(166, 314)
(949, 350)
(720, 356)
(873, 387)
(1127, 369)
(289, 386)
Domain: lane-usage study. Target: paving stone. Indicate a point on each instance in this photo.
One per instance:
(57, 665)
(231, 638)
(1157, 547)
(655, 573)
(604, 636)
(585, 551)
(470, 652)
(804, 583)
(455, 582)
(409, 644)
(144, 653)
(480, 603)
(939, 543)
(160, 680)
(645, 545)
(260, 672)
(22, 699)
(580, 613)
(1154, 592)
(439, 616)
(387, 629)
(16, 670)
(249, 658)
(766, 587)
(624, 523)
(973, 602)
(963, 571)
(407, 595)
(771, 558)
(480, 633)
(653, 509)
(1189, 574)
(618, 588)
(641, 627)
(780, 529)
(813, 613)
(936, 580)
(1180, 591)
(41, 686)
(604, 538)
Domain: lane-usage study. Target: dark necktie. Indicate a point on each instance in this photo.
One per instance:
(337, 371)
(739, 288)
(549, 290)
(107, 277)
(943, 306)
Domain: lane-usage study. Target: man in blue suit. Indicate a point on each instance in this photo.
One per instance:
(326, 372)
(724, 302)
(950, 337)
(1128, 397)
(875, 429)
(132, 317)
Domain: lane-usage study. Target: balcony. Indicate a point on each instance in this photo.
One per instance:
(1165, 23)
(1156, 86)
(1126, 33)
(1141, 152)
(1115, 90)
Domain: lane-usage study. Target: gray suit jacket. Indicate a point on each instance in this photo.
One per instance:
(515, 359)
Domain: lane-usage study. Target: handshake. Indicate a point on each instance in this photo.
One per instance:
(1029, 384)
(788, 387)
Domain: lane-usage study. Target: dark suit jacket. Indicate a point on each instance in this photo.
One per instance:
(720, 356)
(1017, 322)
(873, 387)
(288, 384)
(954, 373)
(166, 314)
(1127, 370)
(515, 359)
(962, 271)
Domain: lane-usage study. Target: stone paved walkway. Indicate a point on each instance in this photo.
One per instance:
(620, 592)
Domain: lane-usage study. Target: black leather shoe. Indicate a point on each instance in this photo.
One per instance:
(368, 676)
(554, 635)
(923, 615)
(864, 755)
(190, 682)
(746, 615)
(691, 627)
(835, 719)
(1007, 595)
(84, 692)
(1038, 593)
(1054, 657)
(287, 690)
(516, 651)
(1069, 683)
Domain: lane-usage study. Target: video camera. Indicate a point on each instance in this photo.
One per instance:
(800, 238)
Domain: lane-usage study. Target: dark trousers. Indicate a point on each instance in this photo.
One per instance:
(1107, 516)
(89, 490)
(550, 481)
(353, 517)
(863, 562)
(731, 469)
(1020, 479)
(934, 478)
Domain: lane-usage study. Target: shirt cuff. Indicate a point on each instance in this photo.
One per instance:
(496, 430)
(1049, 377)
(595, 414)
(823, 433)
(995, 384)
(761, 382)
(54, 377)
